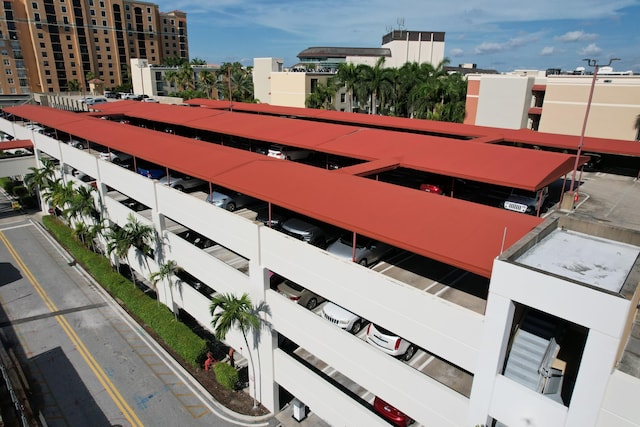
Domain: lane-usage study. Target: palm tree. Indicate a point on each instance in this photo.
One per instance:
(82, 203)
(198, 61)
(74, 86)
(207, 81)
(185, 77)
(58, 195)
(322, 96)
(229, 311)
(373, 80)
(348, 75)
(133, 234)
(40, 179)
(81, 231)
(166, 271)
(171, 77)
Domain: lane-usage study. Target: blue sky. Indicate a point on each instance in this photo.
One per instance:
(495, 34)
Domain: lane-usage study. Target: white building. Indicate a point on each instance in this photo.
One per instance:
(580, 276)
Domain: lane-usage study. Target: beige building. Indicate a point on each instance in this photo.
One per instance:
(51, 46)
(556, 103)
(290, 87)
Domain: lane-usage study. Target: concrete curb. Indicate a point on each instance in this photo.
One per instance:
(184, 374)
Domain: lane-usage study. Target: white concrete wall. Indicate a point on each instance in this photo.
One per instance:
(504, 101)
(602, 313)
(618, 408)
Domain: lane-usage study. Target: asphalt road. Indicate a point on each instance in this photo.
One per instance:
(88, 364)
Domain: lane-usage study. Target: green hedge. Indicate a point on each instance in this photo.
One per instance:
(226, 375)
(175, 334)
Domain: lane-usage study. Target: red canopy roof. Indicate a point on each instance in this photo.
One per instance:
(493, 164)
(16, 143)
(526, 136)
(452, 231)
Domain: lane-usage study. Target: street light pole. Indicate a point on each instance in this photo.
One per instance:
(592, 63)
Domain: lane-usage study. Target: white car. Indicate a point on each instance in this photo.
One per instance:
(367, 251)
(342, 318)
(389, 342)
(288, 153)
(115, 156)
(181, 182)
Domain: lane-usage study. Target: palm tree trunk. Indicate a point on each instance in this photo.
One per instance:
(253, 371)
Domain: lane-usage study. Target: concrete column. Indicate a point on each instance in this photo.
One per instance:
(497, 326)
(598, 361)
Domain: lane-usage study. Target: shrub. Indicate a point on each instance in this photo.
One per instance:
(176, 335)
(226, 375)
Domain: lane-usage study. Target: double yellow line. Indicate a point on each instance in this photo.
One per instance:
(91, 362)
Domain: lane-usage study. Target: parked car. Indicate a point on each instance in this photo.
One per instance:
(306, 231)
(343, 318)
(525, 201)
(95, 101)
(278, 216)
(80, 145)
(151, 100)
(389, 342)
(594, 164)
(230, 200)
(367, 251)
(299, 294)
(390, 413)
(288, 153)
(115, 156)
(181, 182)
(134, 205)
(431, 188)
(131, 96)
(152, 172)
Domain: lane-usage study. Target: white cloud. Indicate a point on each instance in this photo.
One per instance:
(592, 49)
(575, 36)
(547, 50)
(456, 52)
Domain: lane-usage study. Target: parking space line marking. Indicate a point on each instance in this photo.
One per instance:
(426, 363)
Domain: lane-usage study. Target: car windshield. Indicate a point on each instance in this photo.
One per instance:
(361, 241)
(293, 285)
(384, 331)
(524, 193)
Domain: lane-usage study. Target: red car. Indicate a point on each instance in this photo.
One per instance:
(431, 188)
(391, 414)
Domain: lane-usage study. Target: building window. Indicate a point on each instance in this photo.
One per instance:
(36, 17)
(63, 9)
(42, 45)
(40, 35)
(8, 72)
(34, 5)
(7, 62)
(10, 80)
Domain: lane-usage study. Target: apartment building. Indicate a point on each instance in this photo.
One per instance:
(529, 99)
(50, 46)
(466, 284)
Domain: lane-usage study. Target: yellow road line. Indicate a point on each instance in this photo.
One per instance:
(117, 398)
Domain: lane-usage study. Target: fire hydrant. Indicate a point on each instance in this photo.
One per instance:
(209, 362)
